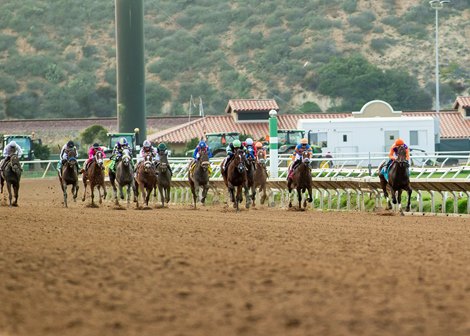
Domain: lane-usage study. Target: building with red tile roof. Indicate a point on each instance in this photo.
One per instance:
(454, 126)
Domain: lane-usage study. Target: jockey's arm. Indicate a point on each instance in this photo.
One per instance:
(408, 154)
(195, 152)
(19, 151)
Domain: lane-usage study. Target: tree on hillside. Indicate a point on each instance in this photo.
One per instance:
(94, 133)
(357, 81)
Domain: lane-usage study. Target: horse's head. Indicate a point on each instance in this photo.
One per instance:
(126, 157)
(72, 157)
(401, 157)
(99, 158)
(240, 159)
(204, 160)
(306, 157)
(148, 163)
(15, 163)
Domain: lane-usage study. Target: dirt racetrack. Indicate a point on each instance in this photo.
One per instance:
(176, 271)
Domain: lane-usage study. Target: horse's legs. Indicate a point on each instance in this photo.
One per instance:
(64, 190)
(248, 200)
(112, 180)
(205, 189)
(383, 183)
(310, 198)
(231, 190)
(84, 187)
(16, 189)
(75, 190)
(98, 187)
(105, 193)
(147, 198)
(9, 192)
(408, 205)
(399, 200)
(193, 191)
(253, 195)
(128, 194)
(167, 194)
(299, 196)
(92, 187)
(264, 194)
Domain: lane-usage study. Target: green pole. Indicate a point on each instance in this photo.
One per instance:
(273, 145)
(130, 67)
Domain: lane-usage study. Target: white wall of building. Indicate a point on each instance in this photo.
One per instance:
(354, 135)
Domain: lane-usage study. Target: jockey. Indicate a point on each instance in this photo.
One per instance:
(259, 147)
(118, 150)
(201, 147)
(8, 151)
(147, 149)
(393, 152)
(250, 148)
(64, 153)
(91, 153)
(299, 150)
(231, 148)
(161, 150)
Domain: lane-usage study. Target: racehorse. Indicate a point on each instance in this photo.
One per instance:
(301, 179)
(12, 175)
(398, 180)
(164, 179)
(68, 174)
(261, 175)
(235, 176)
(124, 176)
(146, 178)
(250, 177)
(199, 177)
(94, 173)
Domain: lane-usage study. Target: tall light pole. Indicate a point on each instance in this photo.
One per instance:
(436, 5)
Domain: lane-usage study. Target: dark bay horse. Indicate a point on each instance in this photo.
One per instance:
(398, 180)
(199, 177)
(146, 178)
(12, 176)
(261, 175)
(124, 176)
(301, 180)
(235, 177)
(94, 173)
(68, 174)
(164, 179)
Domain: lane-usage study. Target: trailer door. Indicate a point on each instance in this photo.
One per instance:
(389, 140)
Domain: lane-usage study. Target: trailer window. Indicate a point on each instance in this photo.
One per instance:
(319, 139)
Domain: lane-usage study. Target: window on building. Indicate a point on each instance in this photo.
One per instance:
(414, 139)
(345, 138)
(467, 112)
(319, 139)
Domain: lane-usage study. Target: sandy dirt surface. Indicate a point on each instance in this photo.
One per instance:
(177, 271)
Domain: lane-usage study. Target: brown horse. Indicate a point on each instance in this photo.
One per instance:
(301, 179)
(199, 177)
(235, 176)
(261, 175)
(164, 179)
(12, 175)
(68, 174)
(94, 173)
(398, 180)
(146, 178)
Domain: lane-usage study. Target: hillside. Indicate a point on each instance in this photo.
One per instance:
(57, 58)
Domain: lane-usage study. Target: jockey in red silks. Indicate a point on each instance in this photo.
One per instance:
(91, 153)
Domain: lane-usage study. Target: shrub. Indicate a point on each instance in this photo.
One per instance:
(6, 41)
(412, 29)
(92, 134)
(310, 107)
(349, 6)
(41, 151)
(363, 21)
(381, 44)
(7, 83)
(23, 105)
(353, 37)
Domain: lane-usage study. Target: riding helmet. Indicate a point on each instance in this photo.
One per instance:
(162, 147)
(304, 141)
(147, 144)
(249, 141)
(96, 145)
(259, 145)
(202, 144)
(123, 141)
(399, 142)
(13, 143)
(237, 144)
(70, 144)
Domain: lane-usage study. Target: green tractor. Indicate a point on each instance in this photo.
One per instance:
(24, 141)
(289, 138)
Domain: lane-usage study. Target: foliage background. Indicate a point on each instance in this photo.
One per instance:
(57, 58)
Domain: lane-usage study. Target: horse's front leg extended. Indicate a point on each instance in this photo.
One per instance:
(247, 197)
(16, 189)
(92, 194)
(299, 197)
(64, 190)
(9, 192)
(408, 205)
(113, 185)
(399, 200)
(128, 194)
(147, 197)
(84, 188)
(167, 194)
(264, 194)
(205, 189)
(310, 198)
(75, 191)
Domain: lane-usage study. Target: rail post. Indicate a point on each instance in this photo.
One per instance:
(273, 145)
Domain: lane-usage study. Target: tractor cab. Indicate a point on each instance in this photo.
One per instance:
(24, 141)
(218, 142)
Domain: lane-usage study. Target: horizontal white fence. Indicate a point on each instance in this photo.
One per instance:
(352, 181)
